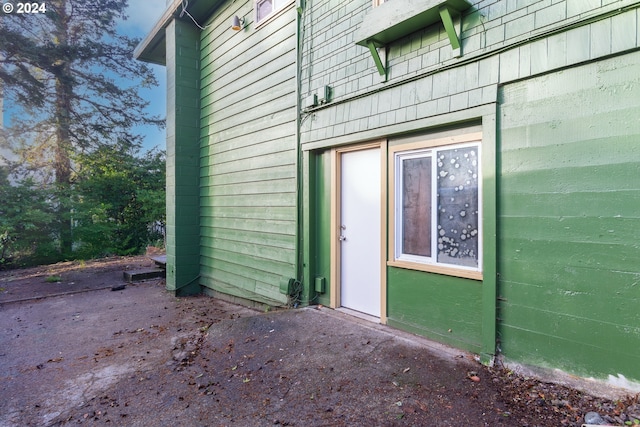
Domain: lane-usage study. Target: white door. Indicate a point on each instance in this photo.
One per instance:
(360, 231)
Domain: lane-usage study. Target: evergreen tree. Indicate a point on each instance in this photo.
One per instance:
(26, 220)
(118, 196)
(60, 68)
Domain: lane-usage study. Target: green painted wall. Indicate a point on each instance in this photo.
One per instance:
(248, 155)
(444, 308)
(318, 259)
(569, 223)
(183, 131)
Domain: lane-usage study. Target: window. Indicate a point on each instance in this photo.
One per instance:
(437, 214)
(265, 8)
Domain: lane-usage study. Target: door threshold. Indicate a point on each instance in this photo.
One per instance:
(359, 314)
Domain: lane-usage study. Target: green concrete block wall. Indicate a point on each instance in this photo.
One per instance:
(248, 155)
(568, 219)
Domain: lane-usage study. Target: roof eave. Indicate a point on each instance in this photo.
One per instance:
(153, 47)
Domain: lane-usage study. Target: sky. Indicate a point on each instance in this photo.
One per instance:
(142, 16)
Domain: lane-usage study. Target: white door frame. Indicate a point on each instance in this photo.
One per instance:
(336, 256)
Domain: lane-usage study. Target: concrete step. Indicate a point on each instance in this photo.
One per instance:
(160, 260)
(147, 273)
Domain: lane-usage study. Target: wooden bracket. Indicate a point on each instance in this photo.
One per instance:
(382, 69)
(394, 20)
(453, 30)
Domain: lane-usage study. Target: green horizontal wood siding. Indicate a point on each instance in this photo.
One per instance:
(248, 140)
(569, 224)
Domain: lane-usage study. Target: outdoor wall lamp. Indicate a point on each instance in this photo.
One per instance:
(238, 23)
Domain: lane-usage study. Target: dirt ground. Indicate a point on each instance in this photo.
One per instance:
(74, 351)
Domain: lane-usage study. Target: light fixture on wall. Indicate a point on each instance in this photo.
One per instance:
(237, 24)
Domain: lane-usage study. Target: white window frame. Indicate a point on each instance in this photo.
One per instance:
(422, 149)
(276, 10)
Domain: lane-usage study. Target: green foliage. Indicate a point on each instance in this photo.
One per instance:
(27, 224)
(113, 205)
(117, 199)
